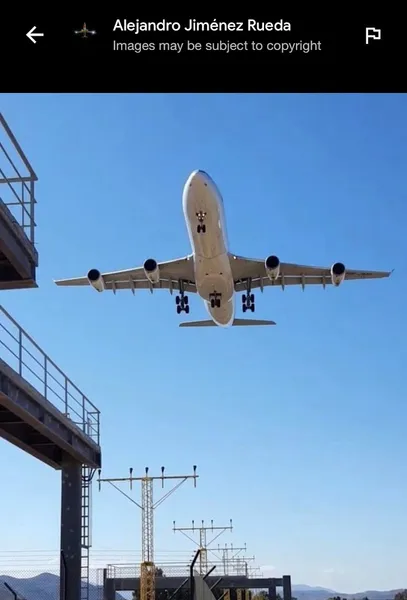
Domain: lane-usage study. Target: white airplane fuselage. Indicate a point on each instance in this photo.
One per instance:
(213, 273)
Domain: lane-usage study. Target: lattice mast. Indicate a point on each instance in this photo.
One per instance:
(147, 567)
(203, 542)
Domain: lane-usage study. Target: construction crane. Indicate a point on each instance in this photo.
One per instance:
(148, 506)
(203, 543)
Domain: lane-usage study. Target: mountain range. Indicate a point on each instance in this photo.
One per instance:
(46, 587)
(307, 592)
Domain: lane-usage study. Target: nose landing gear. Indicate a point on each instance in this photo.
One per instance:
(201, 227)
(215, 300)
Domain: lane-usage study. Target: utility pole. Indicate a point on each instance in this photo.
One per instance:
(203, 543)
(147, 506)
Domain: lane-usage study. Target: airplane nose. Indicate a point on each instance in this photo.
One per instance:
(200, 176)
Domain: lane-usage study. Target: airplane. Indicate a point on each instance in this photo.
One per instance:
(211, 270)
(84, 31)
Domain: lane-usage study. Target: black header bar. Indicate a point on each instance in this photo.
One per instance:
(330, 51)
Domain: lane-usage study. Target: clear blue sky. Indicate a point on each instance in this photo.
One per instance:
(298, 431)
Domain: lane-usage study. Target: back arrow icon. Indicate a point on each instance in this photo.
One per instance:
(31, 35)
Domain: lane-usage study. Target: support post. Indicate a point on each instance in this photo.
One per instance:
(273, 592)
(70, 574)
(287, 594)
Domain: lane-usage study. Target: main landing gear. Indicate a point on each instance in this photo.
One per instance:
(215, 300)
(248, 300)
(182, 303)
(201, 227)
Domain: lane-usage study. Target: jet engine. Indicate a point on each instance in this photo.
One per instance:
(96, 280)
(151, 270)
(272, 264)
(338, 272)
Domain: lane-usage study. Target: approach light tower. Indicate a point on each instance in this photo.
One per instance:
(231, 558)
(147, 506)
(203, 543)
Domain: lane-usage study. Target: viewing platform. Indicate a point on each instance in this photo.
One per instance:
(18, 255)
(41, 410)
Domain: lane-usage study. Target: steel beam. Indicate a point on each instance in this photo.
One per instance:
(70, 580)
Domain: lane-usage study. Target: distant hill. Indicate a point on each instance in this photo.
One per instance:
(46, 587)
(306, 592)
(42, 587)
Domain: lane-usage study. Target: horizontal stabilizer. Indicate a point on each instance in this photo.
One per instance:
(236, 323)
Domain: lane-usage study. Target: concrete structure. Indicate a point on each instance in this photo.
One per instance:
(18, 256)
(202, 590)
(45, 414)
(117, 579)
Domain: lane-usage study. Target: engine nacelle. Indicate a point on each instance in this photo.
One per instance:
(272, 264)
(96, 280)
(151, 270)
(338, 272)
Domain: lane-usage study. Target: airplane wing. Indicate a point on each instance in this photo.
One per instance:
(169, 275)
(290, 274)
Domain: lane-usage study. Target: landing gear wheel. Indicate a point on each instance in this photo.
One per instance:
(248, 301)
(215, 299)
(201, 229)
(181, 300)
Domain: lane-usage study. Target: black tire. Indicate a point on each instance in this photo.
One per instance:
(244, 299)
(203, 228)
(179, 309)
(244, 308)
(252, 307)
(186, 300)
(252, 298)
(177, 300)
(187, 309)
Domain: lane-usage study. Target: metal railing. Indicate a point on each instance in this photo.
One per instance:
(25, 356)
(18, 190)
(132, 570)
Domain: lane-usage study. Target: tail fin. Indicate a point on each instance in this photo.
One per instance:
(236, 323)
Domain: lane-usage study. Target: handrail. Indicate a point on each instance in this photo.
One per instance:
(23, 354)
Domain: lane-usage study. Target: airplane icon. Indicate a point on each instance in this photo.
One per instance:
(85, 31)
